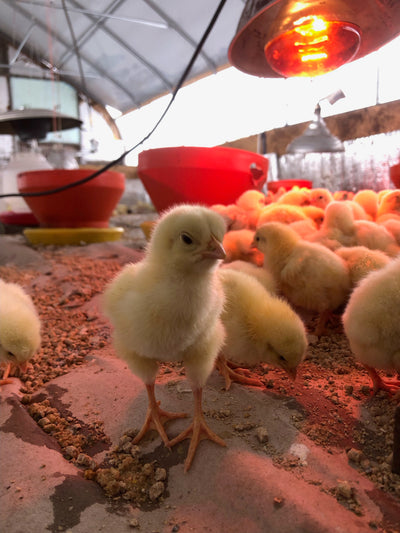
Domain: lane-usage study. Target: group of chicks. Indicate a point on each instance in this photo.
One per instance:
(220, 287)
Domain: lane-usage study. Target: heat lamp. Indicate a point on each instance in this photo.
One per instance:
(290, 38)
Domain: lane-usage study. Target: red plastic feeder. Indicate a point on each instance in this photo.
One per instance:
(207, 176)
(394, 173)
(89, 205)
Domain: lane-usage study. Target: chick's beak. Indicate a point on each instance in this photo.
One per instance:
(214, 249)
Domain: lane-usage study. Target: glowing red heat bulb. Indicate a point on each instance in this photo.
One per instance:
(313, 47)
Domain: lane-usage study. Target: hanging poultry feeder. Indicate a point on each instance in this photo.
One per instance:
(30, 126)
(88, 205)
(190, 174)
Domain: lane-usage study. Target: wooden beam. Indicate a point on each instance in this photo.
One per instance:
(382, 118)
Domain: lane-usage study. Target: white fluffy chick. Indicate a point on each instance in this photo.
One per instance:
(167, 308)
(261, 274)
(260, 328)
(308, 274)
(237, 245)
(371, 323)
(361, 261)
(19, 328)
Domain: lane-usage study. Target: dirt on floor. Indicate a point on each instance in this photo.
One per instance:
(331, 399)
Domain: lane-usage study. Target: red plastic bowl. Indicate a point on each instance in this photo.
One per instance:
(274, 186)
(187, 174)
(89, 205)
(394, 173)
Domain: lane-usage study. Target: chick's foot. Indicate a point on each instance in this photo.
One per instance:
(5, 380)
(156, 418)
(231, 372)
(199, 430)
(390, 386)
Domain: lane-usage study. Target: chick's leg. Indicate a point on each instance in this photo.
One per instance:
(198, 428)
(5, 380)
(156, 417)
(231, 372)
(391, 386)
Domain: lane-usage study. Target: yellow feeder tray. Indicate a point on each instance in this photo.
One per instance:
(72, 236)
(147, 227)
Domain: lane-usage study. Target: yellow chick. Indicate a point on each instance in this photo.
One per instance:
(308, 274)
(284, 213)
(320, 197)
(260, 328)
(167, 308)
(371, 323)
(343, 195)
(261, 274)
(295, 196)
(368, 199)
(19, 328)
(393, 226)
(314, 213)
(389, 204)
(376, 237)
(361, 261)
(382, 193)
(358, 211)
(305, 228)
(337, 229)
(251, 202)
(237, 245)
(235, 218)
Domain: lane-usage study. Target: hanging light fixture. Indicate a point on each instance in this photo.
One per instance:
(317, 138)
(286, 38)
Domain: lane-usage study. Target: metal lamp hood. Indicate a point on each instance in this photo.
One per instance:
(367, 25)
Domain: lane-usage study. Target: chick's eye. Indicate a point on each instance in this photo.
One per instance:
(281, 358)
(10, 355)
(187, 239)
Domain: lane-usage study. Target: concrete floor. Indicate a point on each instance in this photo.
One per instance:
(286, 485)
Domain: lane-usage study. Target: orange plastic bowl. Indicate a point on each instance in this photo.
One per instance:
(274, 186)
(208, 176)
(394, 173)
(89, 205)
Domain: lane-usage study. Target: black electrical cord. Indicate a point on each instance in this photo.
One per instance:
(121, 157)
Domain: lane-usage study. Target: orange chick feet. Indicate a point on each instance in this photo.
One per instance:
(390, 386)
(5, 380)
(156, 418)
(231, 372)
(199, 430)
